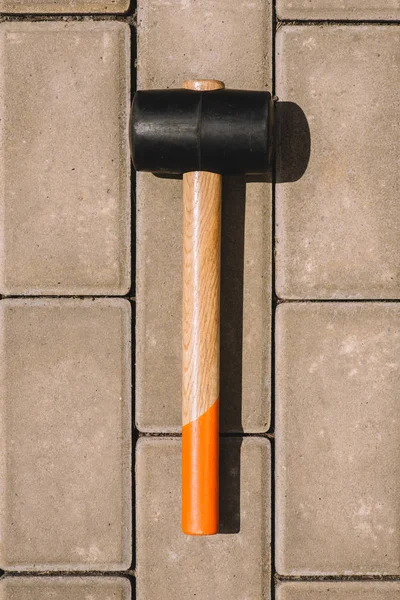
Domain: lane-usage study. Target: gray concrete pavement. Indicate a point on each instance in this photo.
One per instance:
(66, 403)
(65, 444)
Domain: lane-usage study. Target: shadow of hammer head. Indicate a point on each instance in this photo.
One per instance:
(224, 131)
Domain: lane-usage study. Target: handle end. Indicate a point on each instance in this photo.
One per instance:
(203, 85)
(200, 494)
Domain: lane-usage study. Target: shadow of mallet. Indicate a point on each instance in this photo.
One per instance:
(201, 131)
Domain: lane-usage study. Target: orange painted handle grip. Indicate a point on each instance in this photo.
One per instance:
(200, 474)
(200, 344)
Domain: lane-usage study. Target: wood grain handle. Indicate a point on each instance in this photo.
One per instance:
(200, 344)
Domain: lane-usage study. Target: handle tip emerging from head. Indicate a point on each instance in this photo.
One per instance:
(203, 85)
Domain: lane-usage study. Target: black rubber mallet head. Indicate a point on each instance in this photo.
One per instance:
(180, 130)
(202, 132)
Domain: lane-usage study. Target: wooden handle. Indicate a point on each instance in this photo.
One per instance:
(203, 85)
(200, 348)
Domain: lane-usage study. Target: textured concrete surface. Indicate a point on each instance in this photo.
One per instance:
(65, 588)
(337, 228)
(227, 41)
(232, 43)
(337, 438)
(64, 159)
(65, 440)
(343, 590)
(234, 564)
(64, 6)
(356, 10)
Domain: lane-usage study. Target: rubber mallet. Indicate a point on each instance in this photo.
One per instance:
(201, 132)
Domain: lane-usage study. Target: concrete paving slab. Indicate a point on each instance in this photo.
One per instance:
(337, 227)
(63, 6)
(211, 40)
(352, 10)
(65, 588)
(64, 163)
(232, 43)
(65, 465)
(233, 564)
(338, 590)
(337, 439)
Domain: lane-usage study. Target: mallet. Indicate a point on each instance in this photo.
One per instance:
(201, 132)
